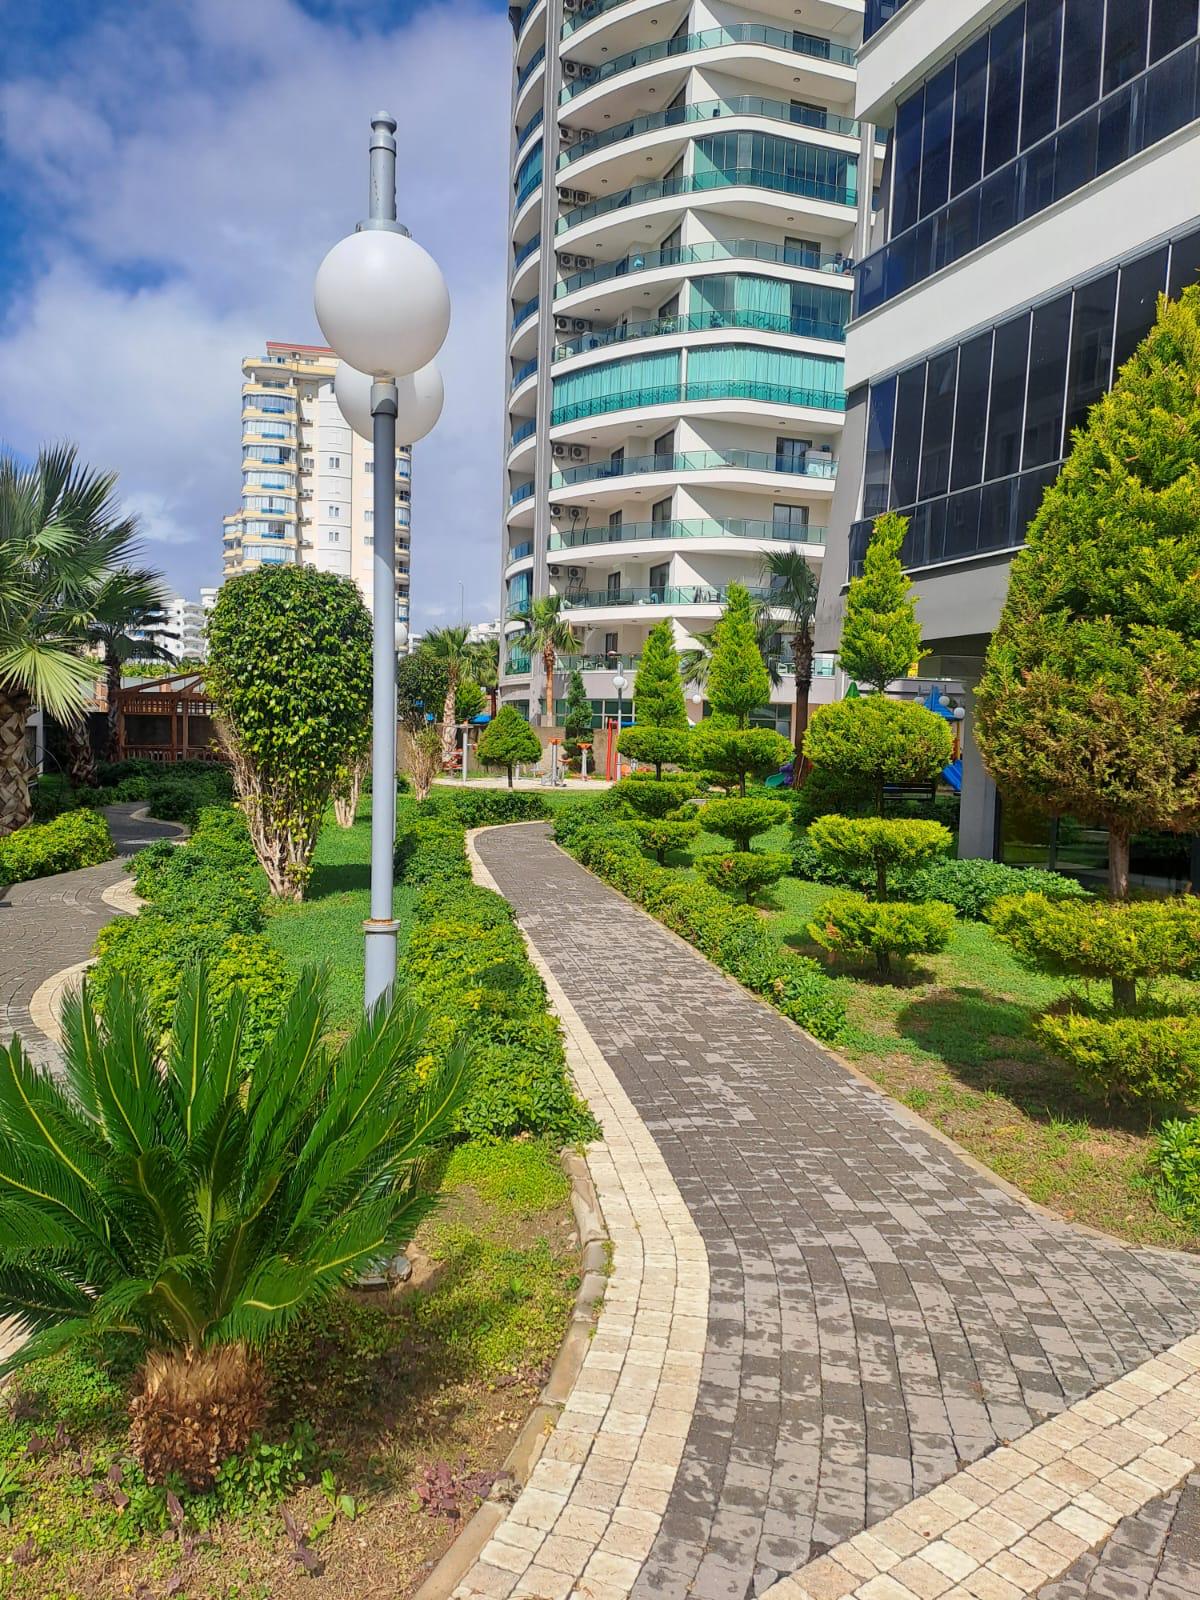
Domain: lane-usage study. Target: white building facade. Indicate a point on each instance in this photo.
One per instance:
(307, 478)
(1042, 188)
(685, 189)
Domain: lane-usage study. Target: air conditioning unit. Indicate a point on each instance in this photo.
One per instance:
(579, 452)
(562, 324)
(574, 197)
(580, 325)
(574, 572)
(555, 572)
(572, 69)
(560, 452)
(556, 512)
(584, 261)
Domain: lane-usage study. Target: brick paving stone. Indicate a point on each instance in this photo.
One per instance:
(880, 1313)
(1153, 1554)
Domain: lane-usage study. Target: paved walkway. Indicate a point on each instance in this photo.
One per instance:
(51, 923)
(880, 1315)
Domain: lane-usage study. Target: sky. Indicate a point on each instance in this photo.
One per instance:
(171, 175)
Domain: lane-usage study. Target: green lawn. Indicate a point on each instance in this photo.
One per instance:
(327, 926)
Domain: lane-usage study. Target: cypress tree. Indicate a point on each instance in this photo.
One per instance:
(658, 687)
(881, 638)
(738, 680)
(1090, 697)
(577, 718)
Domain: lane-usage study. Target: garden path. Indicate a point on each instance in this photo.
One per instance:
(51, 923)
(881, 1313)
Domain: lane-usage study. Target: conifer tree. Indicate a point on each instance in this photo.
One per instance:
(577, 718)
(658, 686)
(738, 680)
(881, 638)
(1089, 702)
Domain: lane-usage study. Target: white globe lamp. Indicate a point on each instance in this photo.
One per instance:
(419, 400)
(382, 303)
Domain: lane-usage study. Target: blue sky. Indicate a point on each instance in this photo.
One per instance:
(170, 177)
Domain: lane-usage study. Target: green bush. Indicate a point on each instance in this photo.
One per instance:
(741, 820)
(850, 924)
(824, 791)
(877, 846)
(1152, 1062)
(742, 873)
(810, 865)
(875, 741)
(51, 796)
(734, 754)
(972, 886)
(73, 840)
(429, 848)
(508, 741)
(1177, 1168)
(180, 797)
(658, 747)
(652, 798)
(660, 837)
(481, 808)
(577, 813)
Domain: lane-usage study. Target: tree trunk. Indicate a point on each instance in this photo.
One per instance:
(1118, 865)
(802, 659)
(345, 800)
(549, 662)
(880, 881)
(448, 729)
(509, 777)
(112, 681)
(16, 770)
(81, 759)
(883, 963)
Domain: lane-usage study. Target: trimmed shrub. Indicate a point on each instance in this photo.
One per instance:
(73, 840)
(742, 873)
(651, 798)
(658, 747)
(429, 848)
(809, 864)
(182, 796)
(741, 820)
(1177, 1168)
(1152, 1062)
(850, 924)
(734, 754)
(659, 837)
(480, 808)
(971, 887)
(874, 741)
(876, 846)
(508, 741)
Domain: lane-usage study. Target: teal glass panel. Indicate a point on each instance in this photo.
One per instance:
(720, 366)
(617, 377)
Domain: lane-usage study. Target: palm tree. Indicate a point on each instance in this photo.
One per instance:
(550, 636)
(694, 662)
(485, 669)
(793, 585)
(125, 613)
(60, 537)
(450, 648)
(180, 1199)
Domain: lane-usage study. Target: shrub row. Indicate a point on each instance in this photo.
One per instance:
(732, 936)
(466, 963)
(175, 791)
(74, 839)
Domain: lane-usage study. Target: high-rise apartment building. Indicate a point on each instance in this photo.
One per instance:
(307, 478)
(1040, 193)
(685, 184)
(182, 628)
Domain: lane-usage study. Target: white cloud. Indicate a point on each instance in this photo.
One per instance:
(190, 174)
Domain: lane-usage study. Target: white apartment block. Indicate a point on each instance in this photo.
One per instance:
(182, 628)
(1041, 190)
(307, 478)
(686, 177)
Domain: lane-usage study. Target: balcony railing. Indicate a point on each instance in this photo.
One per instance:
(836, 265)
(520, 551)
(775, 394)
(522, 313)
(522, 432)
(526, 370)
(597, 663)
(703, 183)
(526, 250)
(746, 105)
(803, 44)
(691, 594)
(696, 461)
(530, 186)
(521, 492)
(531, 66)
(518, 664)
(701, 322)
(690, 528)
(535, 121)
(587, 13)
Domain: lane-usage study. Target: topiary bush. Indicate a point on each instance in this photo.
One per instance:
(850, 924)
(648, 797)
(876, 847)
(508, 741)
(742, 873)
(875, 741)
(180, 797)
(430, 848)
(741, 820)
(1150, 1062)
(481, 808)
(73, 840)
(732, 755)
(657, 747)
(660, 837)
(1176, 1162)
(971, 887)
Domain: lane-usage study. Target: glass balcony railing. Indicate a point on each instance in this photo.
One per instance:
(701, 322)
(526, 250)
(835, 265)
(598, 663)
(689, 594)
(531, 66)
(530, 186)
(879, 12)
(535, 121)
(746, 105)
(522, 432)
(517, 664)
(703, 183)
(521, 492)
(522, 313)
(526, 370)
(812, 466)
(803, 44)
(690, 528)
(520, 551)
(587, 12)
(776, 394)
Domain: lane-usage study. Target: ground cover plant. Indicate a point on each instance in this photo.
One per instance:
(38, 850)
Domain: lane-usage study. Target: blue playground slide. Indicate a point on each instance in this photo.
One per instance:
(953, 775)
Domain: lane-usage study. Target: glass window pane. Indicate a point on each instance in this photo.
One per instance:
(997, 515)
(962, 524)
(906, 163)
(1047, 382)
(1125, 40)
(1185, 263)
(998, 203)
(1006, 410)
(910, 397)
(1142, 282)
(1043, 44)
(1032, 486)
(1075, 154)
(1004, 89)
(935, 154)
(881, 417)
(1169, 97)
(939, 419)
(1114, 139)
(1172, 23)
(1089, 371)
(966, 162)
(970, 414)
(1083, 34)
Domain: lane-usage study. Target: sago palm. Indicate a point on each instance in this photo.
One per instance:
(60, 536)
(794, 585)
(451, 649)
(549, 635)
(197, 1209)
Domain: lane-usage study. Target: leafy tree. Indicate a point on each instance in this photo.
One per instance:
(881, 638)
(653, 797)
(508, 741)
(420, 689)
(657, 686)
(877, 846)
(741, 820)
(451, 649)
(794, 587)
(469, 700)
(485, 668)
(577, 721)
(291, 680)
(668, 833)
(185, 1205)
(850, 924)
(1089, 701)
(421, 758)
(878, 741)
(549, 635)
(733, 754)
(738, 680)
(742, 872)
(655, 744)
(351, 775)
(60, 537)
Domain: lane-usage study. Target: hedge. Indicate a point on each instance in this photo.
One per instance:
(74, 839)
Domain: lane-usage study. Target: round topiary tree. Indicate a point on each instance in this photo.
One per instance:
(742, 820)
(653, 798)
(658, 686)
(879, 741)
(655, 745)
(733, 754)
(508, 741)
(742, 872)
(289, 673)
(658, 835)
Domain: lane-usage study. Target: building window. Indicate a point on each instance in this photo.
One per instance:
(333, 511)
(334, 535)
(335, 463)
(368, 515)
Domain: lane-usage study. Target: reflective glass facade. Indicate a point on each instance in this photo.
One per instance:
(963, 442)
(879, 12)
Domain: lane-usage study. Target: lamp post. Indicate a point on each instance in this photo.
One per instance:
(620, 684)
(382, 304)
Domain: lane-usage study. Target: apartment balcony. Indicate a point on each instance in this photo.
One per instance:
(692, 603)
(773, 473)
(700, 322)
(731, 535)
(733, 399)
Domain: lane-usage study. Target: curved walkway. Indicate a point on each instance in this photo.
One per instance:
(51, 923)
(880, 1314)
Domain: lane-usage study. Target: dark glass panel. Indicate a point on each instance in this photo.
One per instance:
(997, 515)
(939, 421)
(1083, 34)
(1032, 486)
(1169, 100)
(935, 150)
(1142, 282)
(1075, 155)
(1004, 89)
(906, 162)
(1006, 408)
(881, 418)
(1125, 39)
(1036, 179)
(937, 530)
(998, 203)
(910, 395)
(1172, 23)
(1114, 138)
(1043, 46)
(970, 414)
(962, 524)
(1047, 382)
(957, 231)
(966, 161)
(915, 552)
(1185, 263)
(1090, 367)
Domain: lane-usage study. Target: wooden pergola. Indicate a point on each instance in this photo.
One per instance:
(167, 719)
